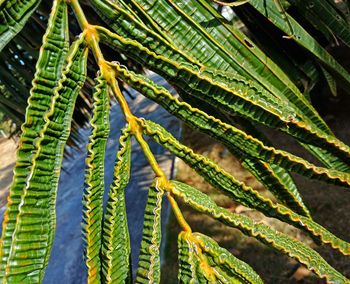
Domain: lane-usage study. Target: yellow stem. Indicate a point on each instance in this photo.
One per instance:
(109, 74)
(178, 214)
(150, 157)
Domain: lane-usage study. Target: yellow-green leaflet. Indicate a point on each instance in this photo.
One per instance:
(116, 264)
(13, 16)
(190, 270)
(199, 254)
(148, 270)
(94, 180)
(237, 190)
(262, 232)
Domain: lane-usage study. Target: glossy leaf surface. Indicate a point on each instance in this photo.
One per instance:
(116, 265)
(13, 16)
(95, 186)
(149, 260)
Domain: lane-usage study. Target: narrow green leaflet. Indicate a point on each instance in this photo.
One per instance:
(51, 57)
(277, 179)
(262, 232)
(273, 176)
(13, 16)
(30, 219)
(148, 270)
(240, 96)
(198, 252)
(332, 84)
(116, 264)
(221, 259)
(238, 191)
(94, 189)
(299, 34)
(279, 182)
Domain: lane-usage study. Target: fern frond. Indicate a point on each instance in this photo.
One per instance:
(93, 194)
(39, 156)
(277, 179)
(31, 234)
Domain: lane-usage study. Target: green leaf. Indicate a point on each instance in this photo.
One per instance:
(93, 194)
(237, 190)
(116, 264)
(29, 223)
(260, 231)
(13, 16)
(277, 179)
(149, 259)
(201, 254)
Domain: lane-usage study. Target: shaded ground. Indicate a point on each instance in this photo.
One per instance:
(329, 205)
